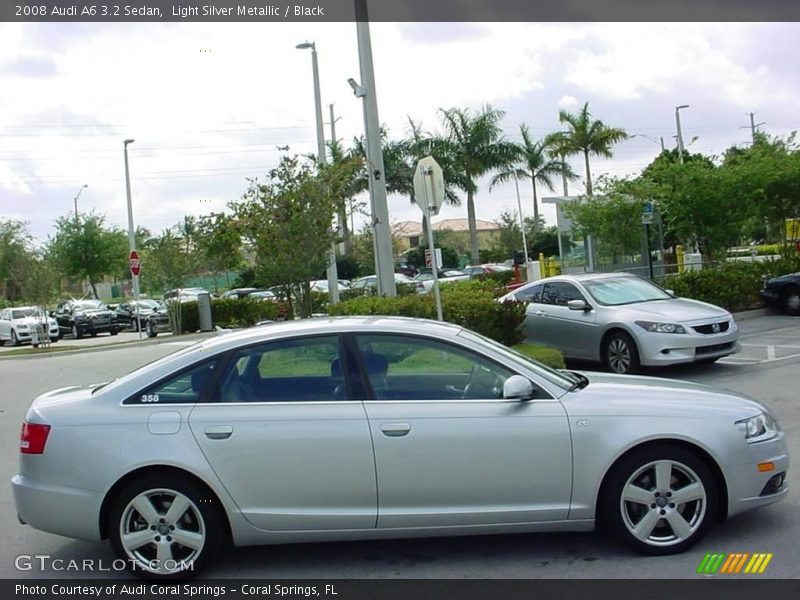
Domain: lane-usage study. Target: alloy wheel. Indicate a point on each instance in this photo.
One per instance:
(663, 503)
(619, 355)
(162, 531)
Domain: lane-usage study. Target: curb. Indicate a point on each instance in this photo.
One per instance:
(188, 337)
(758, 312)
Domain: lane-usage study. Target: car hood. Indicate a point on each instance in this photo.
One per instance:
(93, 312)
(786, 277)
(674, 310)
(32, 321)
(629, 395)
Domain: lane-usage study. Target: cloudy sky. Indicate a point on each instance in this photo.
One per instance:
(209, 104)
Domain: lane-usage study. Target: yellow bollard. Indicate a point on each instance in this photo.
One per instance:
(542, 266)
(679, 257)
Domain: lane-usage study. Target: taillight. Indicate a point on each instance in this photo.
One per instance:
(33, 438)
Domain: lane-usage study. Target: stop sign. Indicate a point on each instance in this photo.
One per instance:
(134, 263)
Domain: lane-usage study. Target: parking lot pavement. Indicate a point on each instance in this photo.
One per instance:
(102, 339)
(774, 529)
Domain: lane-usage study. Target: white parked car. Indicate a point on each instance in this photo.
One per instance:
(380, 427)
(624, 321)
(16, 325)
(425, 280)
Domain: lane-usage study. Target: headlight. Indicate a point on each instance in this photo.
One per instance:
(23, 326)
(760, 428)
(661, 327)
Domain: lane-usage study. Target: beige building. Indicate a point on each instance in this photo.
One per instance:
(453, 233)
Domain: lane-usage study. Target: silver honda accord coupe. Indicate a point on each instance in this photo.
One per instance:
(380, 427)
(624, 321)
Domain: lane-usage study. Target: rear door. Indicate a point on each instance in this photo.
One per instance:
(287, 439)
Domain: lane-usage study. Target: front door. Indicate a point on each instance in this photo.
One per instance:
(449, 450)
(286, 439)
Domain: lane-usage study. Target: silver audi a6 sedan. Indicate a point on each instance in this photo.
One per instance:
(286, 433)
(624, 321)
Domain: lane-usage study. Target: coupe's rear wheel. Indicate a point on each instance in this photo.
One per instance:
(165, 527)
(660, 500)
(620, 354)
(790, 300)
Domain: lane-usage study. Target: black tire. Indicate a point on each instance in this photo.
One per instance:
(202, 520)
(53, 340)
(151, 332)
(114, 331)
(76, 333)
(708, 361)
(134, 325)
(790, 300)
(620, 354)
(635, 476)
(14, 339)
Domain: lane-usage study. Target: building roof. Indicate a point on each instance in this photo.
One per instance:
(414, 228)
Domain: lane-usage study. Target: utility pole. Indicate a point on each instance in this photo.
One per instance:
(342, 216)
(380, 215)
(754, 126)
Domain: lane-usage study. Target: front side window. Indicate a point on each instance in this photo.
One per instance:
(298, 370)
(559, 293)
(185, 388)
(415, 368)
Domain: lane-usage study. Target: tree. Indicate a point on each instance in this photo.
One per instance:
(166, 264)
(474, 144)
(15, 255)
(536, 161)
(585, 136)
(85, 248)
(287, 221)
(219, 242)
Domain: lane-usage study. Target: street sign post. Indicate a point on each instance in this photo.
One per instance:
(429, 194)
(134, 263)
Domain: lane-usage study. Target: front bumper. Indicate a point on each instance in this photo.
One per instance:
(24, 335)
(664, 349)
(56, 509)
(748, 487)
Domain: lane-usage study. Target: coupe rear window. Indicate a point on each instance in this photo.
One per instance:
(616, 291)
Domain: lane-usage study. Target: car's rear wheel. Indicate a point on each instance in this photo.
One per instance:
(620, 354)
(660, 500)
(114, 331)
(790, 300)
(165, 527)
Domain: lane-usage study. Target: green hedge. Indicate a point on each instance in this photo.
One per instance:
(549, 356)
(732, 285)
(228, 313)
(470, 304)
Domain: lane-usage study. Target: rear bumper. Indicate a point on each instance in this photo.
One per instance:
(61, 510)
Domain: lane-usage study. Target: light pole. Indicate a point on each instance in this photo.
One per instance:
(660, 140)
(131, 233)
(333, 275)
(384, 259)
(83, 187)
(680, 134)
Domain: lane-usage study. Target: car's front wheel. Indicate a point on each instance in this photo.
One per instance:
(660, 500)
(165, 527)
(620, 354)
(790, 300)
(76, 333)
(14, 339)
(151, 331)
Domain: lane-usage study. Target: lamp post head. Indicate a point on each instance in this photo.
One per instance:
(677, 108)
(126, 142)
(306, 46)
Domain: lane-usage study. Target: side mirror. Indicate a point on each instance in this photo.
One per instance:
(671, 292)
(517, 387)
(578, 305)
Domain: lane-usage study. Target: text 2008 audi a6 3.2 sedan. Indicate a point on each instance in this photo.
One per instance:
(285, 433)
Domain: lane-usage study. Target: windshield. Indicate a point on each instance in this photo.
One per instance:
(148, 304)
(552, 375)
(89, 305)
(22, 313)
(615, 291)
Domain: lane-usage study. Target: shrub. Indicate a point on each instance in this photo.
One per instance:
(227, 312)
(732, 285)
(544, 354)
(470, 304)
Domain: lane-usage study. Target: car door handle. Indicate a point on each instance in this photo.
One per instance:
(395, 429)
(219, 432)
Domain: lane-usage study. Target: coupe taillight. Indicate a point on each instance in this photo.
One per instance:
(33, 438)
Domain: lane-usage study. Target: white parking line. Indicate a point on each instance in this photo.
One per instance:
(177, 343)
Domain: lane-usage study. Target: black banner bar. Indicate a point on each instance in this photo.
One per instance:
(400, 10)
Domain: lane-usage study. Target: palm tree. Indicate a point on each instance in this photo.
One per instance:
(537, 161)
(585, 136)
(474, 144)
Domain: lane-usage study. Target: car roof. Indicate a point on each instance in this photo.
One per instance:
(332, 325)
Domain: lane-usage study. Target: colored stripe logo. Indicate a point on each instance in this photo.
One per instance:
(734, 563)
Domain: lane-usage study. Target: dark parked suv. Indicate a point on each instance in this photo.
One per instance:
(85, 317)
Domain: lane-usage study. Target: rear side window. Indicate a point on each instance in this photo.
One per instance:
(184, 388)
(531, 294)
